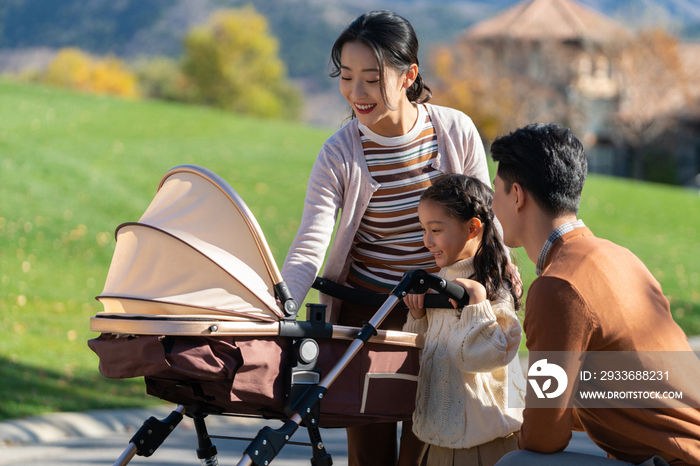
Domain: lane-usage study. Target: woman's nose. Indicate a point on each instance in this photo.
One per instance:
(358, 89)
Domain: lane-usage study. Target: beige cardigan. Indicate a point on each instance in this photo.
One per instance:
(340, 181)
(471, 388)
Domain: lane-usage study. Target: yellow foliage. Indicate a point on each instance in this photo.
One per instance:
(233, 62)
(69, 68)
(491, 103)
(110, 76)
(75, 69)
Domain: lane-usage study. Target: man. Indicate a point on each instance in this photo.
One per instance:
(590, 295)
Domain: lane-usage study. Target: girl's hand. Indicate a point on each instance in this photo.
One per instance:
(475, 290)
(415, 303)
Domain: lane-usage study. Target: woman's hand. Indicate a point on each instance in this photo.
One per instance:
(415, 303)
(475, 290)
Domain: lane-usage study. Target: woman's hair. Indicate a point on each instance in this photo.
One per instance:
(393, 42)
(463, 198)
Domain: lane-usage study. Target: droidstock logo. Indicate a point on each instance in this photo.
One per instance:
(542, 369)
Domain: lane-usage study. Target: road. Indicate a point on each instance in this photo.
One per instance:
(179, 448)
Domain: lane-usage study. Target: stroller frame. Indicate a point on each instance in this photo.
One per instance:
(269, 442)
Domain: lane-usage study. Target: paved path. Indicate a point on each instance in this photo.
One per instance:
(97, 438)
(178, 449)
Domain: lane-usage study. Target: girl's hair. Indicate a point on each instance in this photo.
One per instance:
(393, 42)
(464, 197)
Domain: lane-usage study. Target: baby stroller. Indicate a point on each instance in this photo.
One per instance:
(195, 304)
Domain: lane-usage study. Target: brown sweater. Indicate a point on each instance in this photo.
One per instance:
(594, 295)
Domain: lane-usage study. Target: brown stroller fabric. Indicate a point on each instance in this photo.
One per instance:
(246, 375)
(190, 305)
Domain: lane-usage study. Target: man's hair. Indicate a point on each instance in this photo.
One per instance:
(548, 161)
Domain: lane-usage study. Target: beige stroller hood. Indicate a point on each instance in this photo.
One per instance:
(196, 252)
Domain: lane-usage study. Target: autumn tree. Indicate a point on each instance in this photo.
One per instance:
(233, 63)
(75, 69)
(656, 90)
(458, 84)
(498, 99)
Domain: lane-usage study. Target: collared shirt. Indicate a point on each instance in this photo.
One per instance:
(560, 231)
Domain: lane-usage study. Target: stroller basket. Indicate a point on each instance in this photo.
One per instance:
(191, 304)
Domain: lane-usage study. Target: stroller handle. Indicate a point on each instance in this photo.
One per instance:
(372, 299)
(420, 281)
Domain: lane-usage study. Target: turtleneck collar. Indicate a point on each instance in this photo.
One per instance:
(460, 269)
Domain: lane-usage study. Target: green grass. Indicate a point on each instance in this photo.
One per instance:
(73, 167)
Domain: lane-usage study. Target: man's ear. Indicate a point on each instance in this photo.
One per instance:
(521, 196)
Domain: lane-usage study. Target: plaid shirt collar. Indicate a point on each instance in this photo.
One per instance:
(553, 237)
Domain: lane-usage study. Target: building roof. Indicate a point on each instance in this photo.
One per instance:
(549, 19)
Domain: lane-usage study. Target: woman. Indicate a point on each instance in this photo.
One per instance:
(374, 170)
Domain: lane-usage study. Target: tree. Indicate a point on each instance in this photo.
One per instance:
(656, 92)
(162, 78)
(232, 62)
(499, 94)
(460, 85)
(70, 68)
(77, 70)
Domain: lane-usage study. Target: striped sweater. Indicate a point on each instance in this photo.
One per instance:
(389, 240)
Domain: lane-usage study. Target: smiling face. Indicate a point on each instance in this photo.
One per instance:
(360, 85)
(447, 238)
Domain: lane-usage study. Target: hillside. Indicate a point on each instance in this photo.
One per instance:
(674, 15)
(306, 29)
(155, 27)
(73, 167)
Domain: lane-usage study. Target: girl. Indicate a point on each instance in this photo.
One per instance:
(469, 365)
(373, 171)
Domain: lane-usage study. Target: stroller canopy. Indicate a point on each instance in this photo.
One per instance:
(196, 251)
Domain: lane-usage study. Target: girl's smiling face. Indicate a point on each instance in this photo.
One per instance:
(447, 238)
(361, 86)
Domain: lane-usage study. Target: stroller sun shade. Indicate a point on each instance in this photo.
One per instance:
(173, 262)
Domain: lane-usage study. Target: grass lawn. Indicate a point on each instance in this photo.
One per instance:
(73, 167)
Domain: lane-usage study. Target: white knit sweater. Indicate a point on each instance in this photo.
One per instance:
(468, 362)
